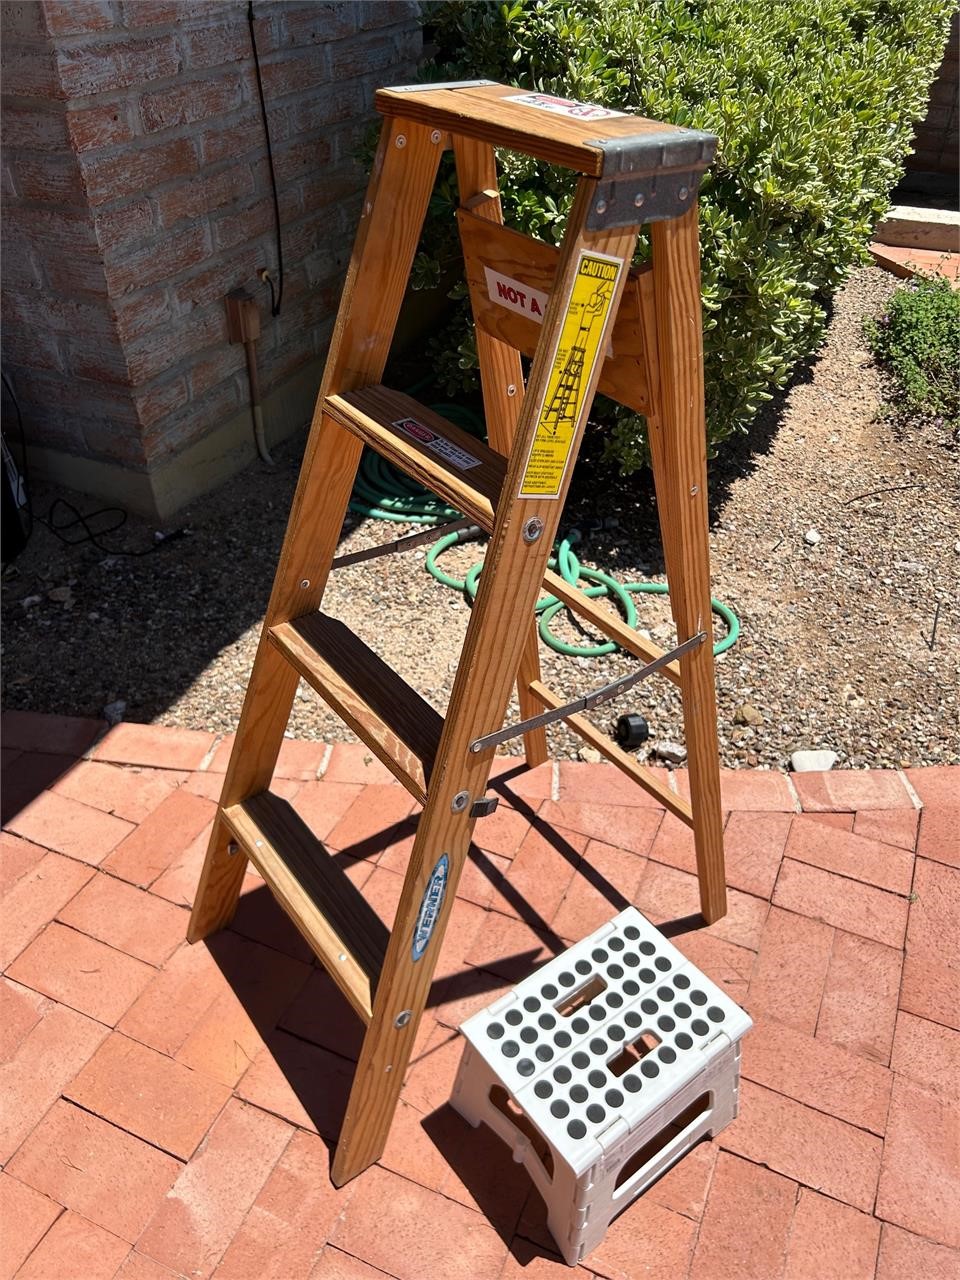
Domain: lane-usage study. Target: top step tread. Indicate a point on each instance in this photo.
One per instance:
(598, 141)
(440, 455)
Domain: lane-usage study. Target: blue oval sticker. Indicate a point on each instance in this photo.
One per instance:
(430, 906)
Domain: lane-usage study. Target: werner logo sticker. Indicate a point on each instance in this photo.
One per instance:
(563, 106)
(438, 444)
(430, 906)
(515, 295)
(582, 339)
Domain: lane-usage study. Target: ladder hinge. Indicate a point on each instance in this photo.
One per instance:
(649, 177)
(483, 807)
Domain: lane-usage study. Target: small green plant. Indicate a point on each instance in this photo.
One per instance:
(814, 103)
(918, 340)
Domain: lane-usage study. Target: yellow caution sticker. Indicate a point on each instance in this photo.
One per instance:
(581, 342)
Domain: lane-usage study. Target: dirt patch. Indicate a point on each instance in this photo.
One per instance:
(833, 537)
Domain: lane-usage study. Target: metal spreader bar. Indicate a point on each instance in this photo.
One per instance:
(590, 700)
(402, 544)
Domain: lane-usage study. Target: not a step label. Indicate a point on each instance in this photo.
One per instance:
(515, 295)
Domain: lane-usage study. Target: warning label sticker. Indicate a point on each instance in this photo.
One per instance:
(438, 444)
(582, 340)
(563, 106)
(515, 295)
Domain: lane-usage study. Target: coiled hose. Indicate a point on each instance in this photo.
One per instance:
(385, 493)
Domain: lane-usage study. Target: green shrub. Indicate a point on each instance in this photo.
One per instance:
(813, 102)
(919, 342)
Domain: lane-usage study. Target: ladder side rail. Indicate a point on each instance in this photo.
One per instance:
(402, 180)
(491, 655)
(679, 455)
(501, 380)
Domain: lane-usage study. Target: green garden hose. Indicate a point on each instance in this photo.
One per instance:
(383, 492)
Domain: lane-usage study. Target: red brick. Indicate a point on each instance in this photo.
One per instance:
(35, 899)
(456, 998)
(645, 1243)
(153, 744)
(903, 1254)
(604, 883)
(395, 1224)
(353, 762)
(413, 1153)
(126, 918)
(205, 1207)
(931, 969)
(177, 251)
(667, 894)
(868, 861)
(432, 1071)
(939, 836)
(603, 784)
(300, 1082)
(165, 834)
(746, 1223)
(45, 1061)
(684, 1188)
(859, 1006)
(227, 141)
(69, 827)
(674, 845)
(17, 857)
(935, 786)
(20, 1011)
(729, 966)
(230, 1034)
(95, 1169)
(101, 125)
(89, 69)
(920, 1180)
(927, 1053)
(131, 794)
(186, 104)
(260, 918)
(831, 1241)
(628, 828)
(177, 998)
(47, 178)
(147, 1094)
(511, 948)
(753, 844)
(816, 1149)
(178, 884)
(212, 46)
(851, 790)
(75, 1247)
(283, 1234)
(138, 1267)
(116, 175)
(322, 1015)
(544, 867)
(758, 790)
(204, 195)
(369, 824)
(501, 831)
(842, 821)
(892, 826)
(820, 1075)
(847, 904)
(81, 973)
(25, 1216)
(483, 880)
(61, 735)
(334, 1264)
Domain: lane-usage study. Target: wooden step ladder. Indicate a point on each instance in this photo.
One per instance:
(587, 320)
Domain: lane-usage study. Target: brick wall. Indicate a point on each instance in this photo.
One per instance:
(137, 194)
(936, 145)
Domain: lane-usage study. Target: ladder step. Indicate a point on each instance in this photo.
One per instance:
(398, 726)
(439, 455)
(346, 934)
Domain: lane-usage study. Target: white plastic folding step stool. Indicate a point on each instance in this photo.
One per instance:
(601, 1070)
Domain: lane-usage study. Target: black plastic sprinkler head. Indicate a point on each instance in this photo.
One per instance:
(632, 731)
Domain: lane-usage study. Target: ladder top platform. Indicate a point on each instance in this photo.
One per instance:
(596, 141)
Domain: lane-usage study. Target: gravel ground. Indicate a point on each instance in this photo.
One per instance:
(837, 649)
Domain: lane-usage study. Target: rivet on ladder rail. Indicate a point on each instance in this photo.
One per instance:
(401, 140)
(402, 1019)
(233, 848)
(460, 801)
(532, 529)
(436, 136)
(304, 583)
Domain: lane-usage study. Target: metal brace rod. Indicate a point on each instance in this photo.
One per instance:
(401, 544)
(590, 700)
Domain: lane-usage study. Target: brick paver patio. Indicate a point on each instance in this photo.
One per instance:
(169, 1110)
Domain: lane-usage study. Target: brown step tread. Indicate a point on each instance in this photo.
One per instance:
(322, 901)
(438, 454)
(399, 726)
